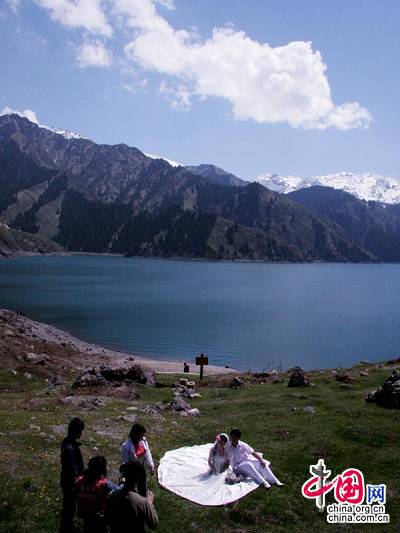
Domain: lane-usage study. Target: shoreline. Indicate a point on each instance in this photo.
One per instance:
(68, 253)
(70, 355)
(21, 334)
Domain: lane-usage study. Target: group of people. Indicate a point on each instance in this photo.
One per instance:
(98, 501)
(245, 462)
(129, 506)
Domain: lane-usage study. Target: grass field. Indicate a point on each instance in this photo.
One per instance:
(344, 430)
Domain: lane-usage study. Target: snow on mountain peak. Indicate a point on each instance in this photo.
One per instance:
(32, 117)
(67, 134)
(170, 161)
(365, 186)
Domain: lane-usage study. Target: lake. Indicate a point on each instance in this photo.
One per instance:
(245, 315)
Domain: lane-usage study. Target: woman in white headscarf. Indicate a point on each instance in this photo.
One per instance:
(218, 459)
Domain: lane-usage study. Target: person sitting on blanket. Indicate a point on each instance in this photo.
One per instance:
(218, 459)
(246, 462)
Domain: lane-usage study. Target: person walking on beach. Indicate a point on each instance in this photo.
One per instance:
(136, 449)
(126, 510)
(71, 468)
(92, 491)
(246, 462)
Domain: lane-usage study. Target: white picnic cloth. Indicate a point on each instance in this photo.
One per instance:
(185, 472)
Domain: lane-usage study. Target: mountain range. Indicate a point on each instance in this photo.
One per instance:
(365, 186)
(92, 197)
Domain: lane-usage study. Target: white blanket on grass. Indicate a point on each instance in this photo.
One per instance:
(185, 472)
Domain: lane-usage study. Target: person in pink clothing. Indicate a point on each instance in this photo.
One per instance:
(246, 462)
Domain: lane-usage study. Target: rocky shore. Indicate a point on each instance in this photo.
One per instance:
(46, 351)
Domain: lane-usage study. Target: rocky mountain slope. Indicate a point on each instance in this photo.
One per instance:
(217, 175)
(372, 226)
(14, 242)
(102, 198)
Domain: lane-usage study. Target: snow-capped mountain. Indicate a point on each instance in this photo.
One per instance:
(31, 115)
(282, 184)
(170, 161)
(67, 134)
(364, 186)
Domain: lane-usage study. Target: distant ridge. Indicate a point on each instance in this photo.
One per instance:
(365, 186)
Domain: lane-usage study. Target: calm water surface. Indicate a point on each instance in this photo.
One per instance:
(246, 315)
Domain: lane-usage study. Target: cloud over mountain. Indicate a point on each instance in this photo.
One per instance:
(262, 83)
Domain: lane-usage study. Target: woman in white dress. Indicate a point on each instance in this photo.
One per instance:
(218, 458)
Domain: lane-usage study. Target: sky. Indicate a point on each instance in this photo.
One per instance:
(292, 87)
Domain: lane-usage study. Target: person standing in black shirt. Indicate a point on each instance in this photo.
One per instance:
(71, 469)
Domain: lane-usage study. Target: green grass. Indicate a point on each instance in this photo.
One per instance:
(345, 431)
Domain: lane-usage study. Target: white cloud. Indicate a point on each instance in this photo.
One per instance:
(94, 54)
(27, 113)
(87, 14)
(14, 4)
(262, 83)
(178, 95)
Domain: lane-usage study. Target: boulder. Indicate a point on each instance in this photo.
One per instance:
(343, 377)
(236, 382)
(54, 381)
(135, 373)
(129, 418)
(115, 376)
(60, 430)
(36, 359)
(89, 378)
(298, 378)
(125, 392)
(194, 395)
(389, 394)
(179, 404)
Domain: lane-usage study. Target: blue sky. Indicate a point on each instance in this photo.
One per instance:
(235, 83)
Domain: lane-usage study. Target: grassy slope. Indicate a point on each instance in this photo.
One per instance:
(344, 430)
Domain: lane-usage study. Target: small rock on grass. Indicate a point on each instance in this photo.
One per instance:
(36, 359)
(60, 430)
(309, 409)
(129, 418)
(343, 377)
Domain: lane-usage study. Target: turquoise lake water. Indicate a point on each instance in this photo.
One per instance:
(246, 315)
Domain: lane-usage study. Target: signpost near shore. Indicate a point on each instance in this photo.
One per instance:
(201, 361)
